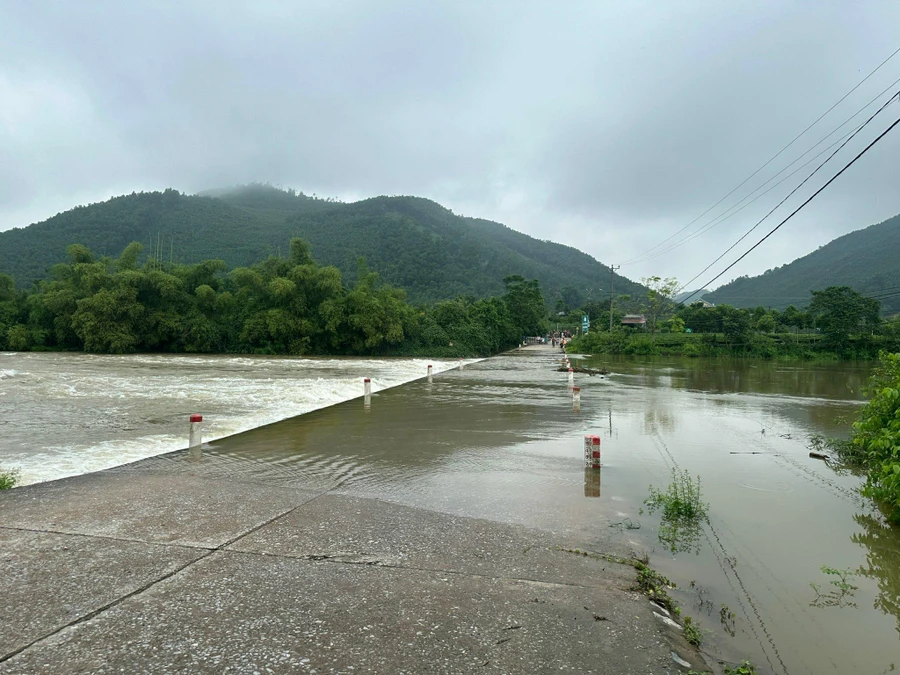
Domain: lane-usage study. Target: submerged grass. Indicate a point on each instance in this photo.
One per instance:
(683, 511)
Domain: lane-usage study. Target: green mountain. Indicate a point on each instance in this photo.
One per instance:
(693, 295)
(865, 260)
(411, 242)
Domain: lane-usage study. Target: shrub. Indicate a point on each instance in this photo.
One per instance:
(746, 668)
(9, 478)
(683, 512)
(642, 346)
(691, 349)
(876, 435)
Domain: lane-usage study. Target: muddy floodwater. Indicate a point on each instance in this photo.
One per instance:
(500, 439)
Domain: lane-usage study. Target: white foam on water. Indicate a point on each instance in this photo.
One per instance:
(110, 404)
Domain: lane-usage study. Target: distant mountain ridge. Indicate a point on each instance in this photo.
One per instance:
(411, 242)
(867, 260)
(695, 296)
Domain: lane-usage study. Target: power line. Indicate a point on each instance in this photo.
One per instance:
(791, 193)
(769, 161)
(813, 196)
(734, 210)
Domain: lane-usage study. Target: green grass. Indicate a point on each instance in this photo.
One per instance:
(683, 512)
(692, 631)
(9, 478)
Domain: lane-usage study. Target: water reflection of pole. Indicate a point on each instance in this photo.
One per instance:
(591, 482)
(610, 422)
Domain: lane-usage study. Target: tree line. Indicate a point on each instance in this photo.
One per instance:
(280, 305)
(839, 322)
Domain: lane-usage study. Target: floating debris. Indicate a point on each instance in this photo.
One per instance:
(583, 370)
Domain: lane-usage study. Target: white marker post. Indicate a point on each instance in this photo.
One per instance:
(367, 393)
(576, 398)
(195, 440)
(571, 378)
(592, 451)
(429, 372)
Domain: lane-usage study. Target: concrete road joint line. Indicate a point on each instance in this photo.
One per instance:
(108, 537)
(206, 552)
(327, 558)
(112, 603)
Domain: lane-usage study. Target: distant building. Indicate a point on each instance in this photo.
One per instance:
(705, 304)
(635, 320)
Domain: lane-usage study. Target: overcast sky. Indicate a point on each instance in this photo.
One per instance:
(608, 126)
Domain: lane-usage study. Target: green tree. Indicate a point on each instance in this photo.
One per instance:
(734, 323)
(766, 324)
(660, 300)
(840, 313)
(108, 321)
(525, 304)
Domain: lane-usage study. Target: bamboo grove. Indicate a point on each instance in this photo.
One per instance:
(281, 305)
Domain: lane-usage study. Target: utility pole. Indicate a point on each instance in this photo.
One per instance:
(612, 269)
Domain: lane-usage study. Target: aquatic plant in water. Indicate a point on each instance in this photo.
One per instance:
(840, 595)
(683, 512)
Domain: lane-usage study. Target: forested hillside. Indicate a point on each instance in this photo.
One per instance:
(865, 260)
(411, 242)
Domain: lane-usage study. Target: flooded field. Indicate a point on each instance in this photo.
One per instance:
(500, 440)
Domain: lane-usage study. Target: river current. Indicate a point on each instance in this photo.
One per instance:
(66, 414)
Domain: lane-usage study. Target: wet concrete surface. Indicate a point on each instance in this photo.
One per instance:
(254, 579)
(50, 580)
(148, 507)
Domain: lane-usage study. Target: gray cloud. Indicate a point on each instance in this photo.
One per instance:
(607, 126)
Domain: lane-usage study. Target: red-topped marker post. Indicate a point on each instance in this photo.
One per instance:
(195, 437)
(429, 372)
(592, 451)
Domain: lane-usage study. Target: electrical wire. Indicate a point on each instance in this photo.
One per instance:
(808, 200)
(791, 193)
(769, 161)
(737, 208)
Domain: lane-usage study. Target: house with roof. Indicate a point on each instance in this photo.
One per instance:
(634, 320)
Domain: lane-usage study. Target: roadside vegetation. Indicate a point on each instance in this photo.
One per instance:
(838, 324)
(281, 305)
(9, 478)
(874, 443)
(655, 586)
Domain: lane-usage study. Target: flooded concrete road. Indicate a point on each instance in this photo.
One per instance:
(500, 440)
